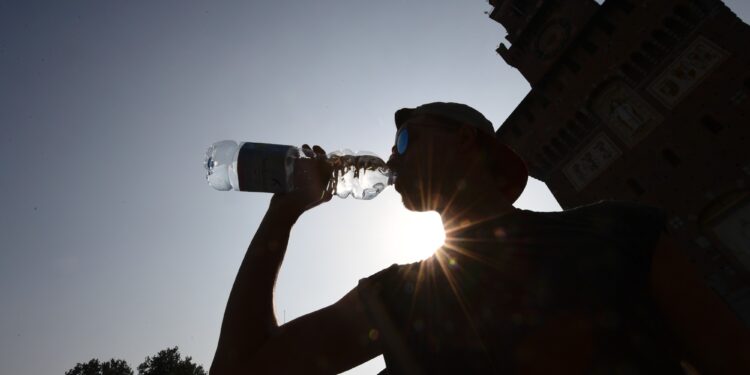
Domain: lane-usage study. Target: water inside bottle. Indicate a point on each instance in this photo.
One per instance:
(363, 176)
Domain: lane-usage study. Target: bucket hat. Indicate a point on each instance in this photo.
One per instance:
(514, 172)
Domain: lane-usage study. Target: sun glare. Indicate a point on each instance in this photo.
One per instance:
(418, 235)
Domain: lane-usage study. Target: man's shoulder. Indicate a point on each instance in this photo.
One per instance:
(608, 218)
(613, 206)
(630, 224)
(627, 212)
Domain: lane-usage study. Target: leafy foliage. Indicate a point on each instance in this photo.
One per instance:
(168, 362)
(94, 367)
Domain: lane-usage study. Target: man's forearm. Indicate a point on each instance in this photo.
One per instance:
(249, 319)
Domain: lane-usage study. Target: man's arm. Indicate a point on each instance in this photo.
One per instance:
(320, 342)
(711, 333)
(328, 341)
(249, 319)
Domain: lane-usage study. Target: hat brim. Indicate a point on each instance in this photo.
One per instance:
(514, 171)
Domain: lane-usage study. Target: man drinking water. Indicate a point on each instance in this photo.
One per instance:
(599, 289)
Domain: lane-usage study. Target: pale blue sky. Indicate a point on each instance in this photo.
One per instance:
(112, 243)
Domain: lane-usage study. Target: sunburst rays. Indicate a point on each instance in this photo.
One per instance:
(446, 266)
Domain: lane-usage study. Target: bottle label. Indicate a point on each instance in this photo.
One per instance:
(262, 167)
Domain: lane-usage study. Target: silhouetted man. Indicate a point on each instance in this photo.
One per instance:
(599, 289)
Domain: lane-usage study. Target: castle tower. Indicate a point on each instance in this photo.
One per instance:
(539, 31)
(643, 100)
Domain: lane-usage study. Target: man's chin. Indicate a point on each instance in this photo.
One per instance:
(409, 199)
(412, 204)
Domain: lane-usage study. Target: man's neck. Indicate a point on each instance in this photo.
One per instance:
(472, 208)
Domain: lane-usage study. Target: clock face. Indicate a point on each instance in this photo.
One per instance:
(552, 39)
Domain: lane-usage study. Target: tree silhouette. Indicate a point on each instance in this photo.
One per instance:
(168, 362)
(94, 367)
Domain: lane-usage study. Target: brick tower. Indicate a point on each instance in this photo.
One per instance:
(643, 100)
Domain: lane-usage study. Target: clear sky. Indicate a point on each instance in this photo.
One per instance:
(112, 244)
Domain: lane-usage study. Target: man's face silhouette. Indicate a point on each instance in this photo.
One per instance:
(427, 168)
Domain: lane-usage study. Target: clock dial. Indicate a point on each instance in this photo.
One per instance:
(552, 39)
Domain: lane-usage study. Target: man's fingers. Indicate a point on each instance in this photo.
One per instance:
(319, 151)
(327, 194)
(314, 152)
(308, 151)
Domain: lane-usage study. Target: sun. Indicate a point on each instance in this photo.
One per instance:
(417, 236)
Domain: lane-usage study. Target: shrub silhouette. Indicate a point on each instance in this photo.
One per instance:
(166, 362)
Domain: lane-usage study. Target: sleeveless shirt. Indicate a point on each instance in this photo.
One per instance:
(529, 292)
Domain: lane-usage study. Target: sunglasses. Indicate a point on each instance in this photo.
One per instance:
(402, 135)
(402, 140)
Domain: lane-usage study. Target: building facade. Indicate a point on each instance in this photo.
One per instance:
(643, 100)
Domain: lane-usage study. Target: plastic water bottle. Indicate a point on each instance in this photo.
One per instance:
(270, 168)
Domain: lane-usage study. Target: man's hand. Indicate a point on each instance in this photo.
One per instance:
(312, 176)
